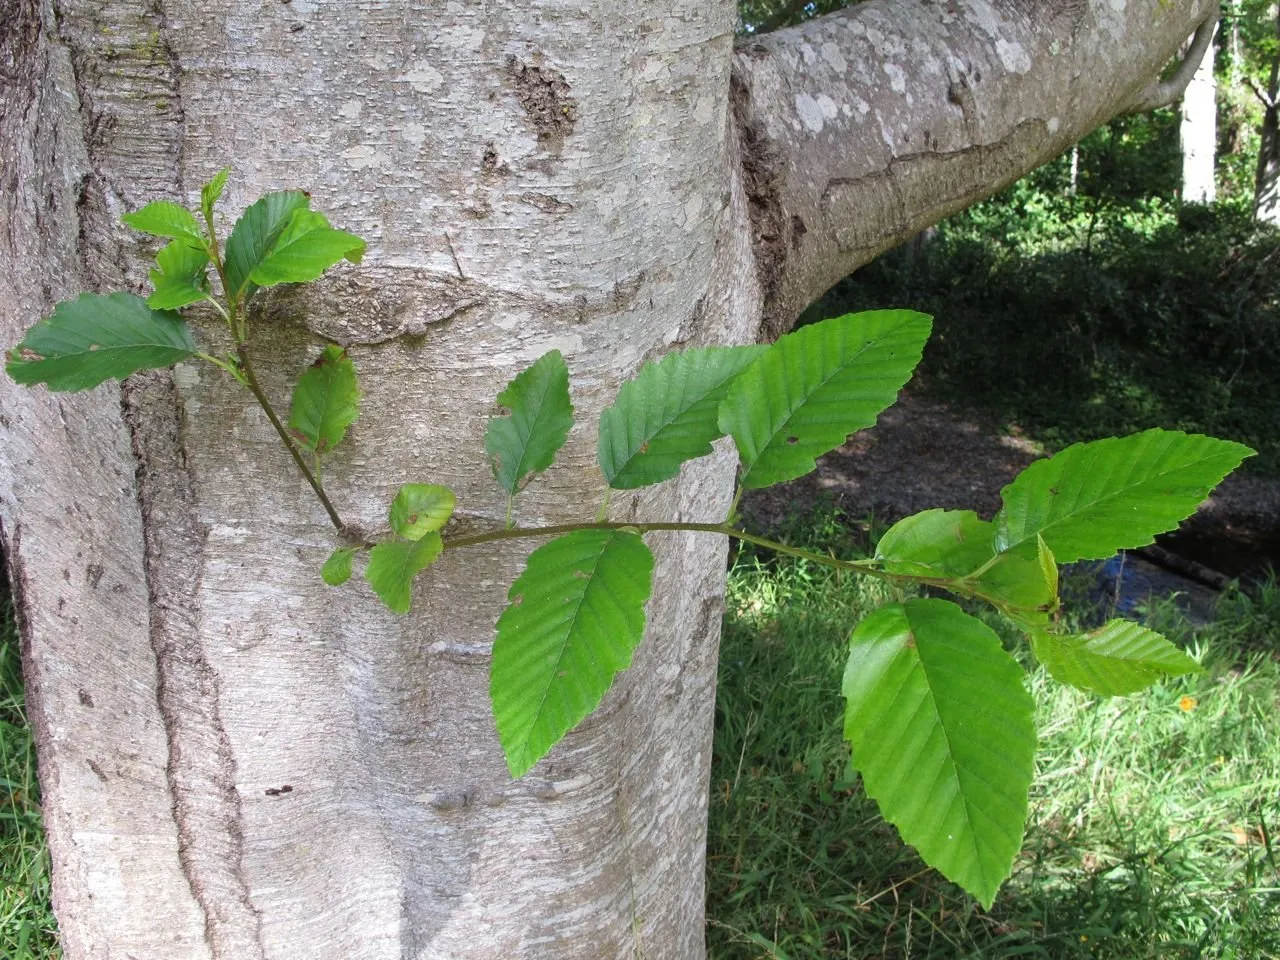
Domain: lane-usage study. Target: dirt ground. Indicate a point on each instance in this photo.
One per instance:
(922, 454)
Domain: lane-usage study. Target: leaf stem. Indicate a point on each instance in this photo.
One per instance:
(251, 381)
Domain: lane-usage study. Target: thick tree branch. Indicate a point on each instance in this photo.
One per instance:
(1161, 93)
(863, 127)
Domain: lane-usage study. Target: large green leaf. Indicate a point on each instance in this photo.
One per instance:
(306, 248)
(576, 616)
(419, 508)
(526, 442)
(955, 549)
(1118, 658)
(1094, 499)
(326, 401)
(816, 386)
(941, 730)
(255, 233)
(393, 565)
(180, 276)
(97, 338)
(668, 414)
(164, 219)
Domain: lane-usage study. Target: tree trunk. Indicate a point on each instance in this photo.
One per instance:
(1266, 202)
(608, 179)
(1199, 133)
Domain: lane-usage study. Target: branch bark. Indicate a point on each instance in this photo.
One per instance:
(865, 126)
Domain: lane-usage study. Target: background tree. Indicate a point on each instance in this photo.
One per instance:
(1267, 183)
(606, 180)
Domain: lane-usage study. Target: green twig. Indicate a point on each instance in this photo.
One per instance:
(251, 381)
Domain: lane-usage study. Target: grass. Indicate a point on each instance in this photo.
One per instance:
(27, 926)
(1151, 824)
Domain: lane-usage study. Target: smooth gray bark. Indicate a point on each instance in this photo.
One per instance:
(611, 180)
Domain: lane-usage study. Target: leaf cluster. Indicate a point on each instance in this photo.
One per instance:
(936, 714)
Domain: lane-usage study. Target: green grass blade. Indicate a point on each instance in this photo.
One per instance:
(942, 733)
(419, 508)
(575, 618)
(255, 233)
(180, 277)
(526, 442)
(326, 401)
(816, 386)
(393, 565)
(305, 249)
(161, 218)
(668, 414)
(1094, 499)
(1119, 657)
(96, 338)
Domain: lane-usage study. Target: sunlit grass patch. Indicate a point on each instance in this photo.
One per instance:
(1152, 817)
(26, 919)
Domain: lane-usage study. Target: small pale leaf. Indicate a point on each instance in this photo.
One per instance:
(1094, 499)
(941, 730)
(419, 508)
(306, 248)
(180, 276)
(161, 218)
(576, 616)
(337, 569)
(254, 235)
(950, 547)
(526, 442)
(211, 192)
(326, 401)
(1118, 658)
(668, 414)
(815, 386)
(96, 338)
(393, 565)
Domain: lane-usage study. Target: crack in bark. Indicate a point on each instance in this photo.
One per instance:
(761, 164)
(883, 208)
(202, 765)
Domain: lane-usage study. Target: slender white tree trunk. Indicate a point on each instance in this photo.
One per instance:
(1267, 183)
(608, 179)
(1198, 133)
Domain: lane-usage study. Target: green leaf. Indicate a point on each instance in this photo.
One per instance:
(419, 508)
(306, 248)
(576, 616)
(1093, 499)
(337, 569)
(254, 235)
(211, 192)
(937, 543)
(941, 730)
(180, 276)
(97, 338)
(541, 415)
(393, 565)
(816, 386)
(164, 219)
(956, 549)
(326, 401)
(668, 414)
(1118, 658)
